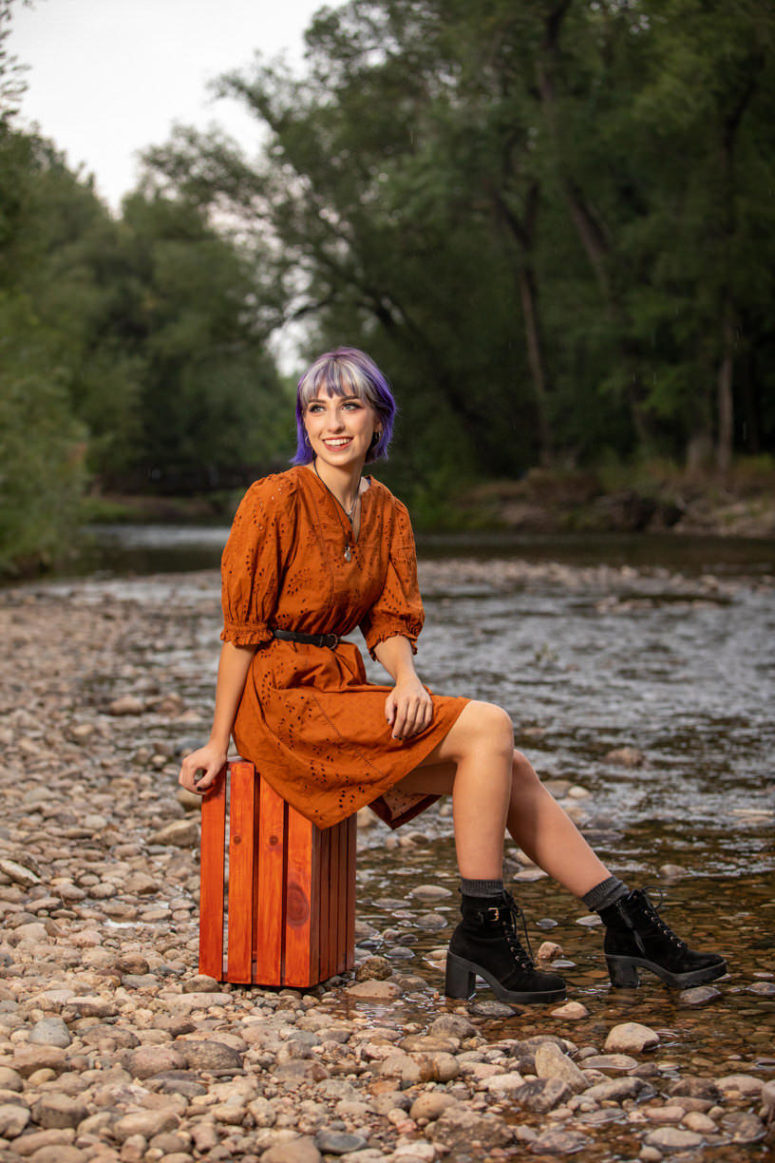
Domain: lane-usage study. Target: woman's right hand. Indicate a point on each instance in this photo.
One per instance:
(199, 770)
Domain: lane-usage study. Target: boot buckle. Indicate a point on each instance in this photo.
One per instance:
(495, 913)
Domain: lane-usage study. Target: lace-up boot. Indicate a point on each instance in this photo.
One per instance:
(637, 938)
(486, 942)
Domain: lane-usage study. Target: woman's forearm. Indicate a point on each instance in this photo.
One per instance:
(395, 654)
(233, 670)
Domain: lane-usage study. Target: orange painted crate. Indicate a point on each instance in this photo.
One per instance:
(289, 907)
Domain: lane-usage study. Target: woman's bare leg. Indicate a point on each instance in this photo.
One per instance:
(547, 835)
(473, 762)
(494, 787)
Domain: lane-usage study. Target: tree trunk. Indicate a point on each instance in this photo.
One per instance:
(535, 357)
(522, 231)
(724, 400)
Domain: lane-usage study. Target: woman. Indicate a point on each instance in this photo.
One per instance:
(315, 552)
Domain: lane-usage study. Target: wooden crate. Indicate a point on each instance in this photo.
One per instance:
(289, 908)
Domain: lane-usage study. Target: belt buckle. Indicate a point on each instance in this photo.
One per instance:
(331, 641)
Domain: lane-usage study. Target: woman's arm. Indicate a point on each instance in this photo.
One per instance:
(408, 707)
(232, 672)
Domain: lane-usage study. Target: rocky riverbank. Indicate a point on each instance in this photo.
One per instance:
(653, 499)
(114, 1049)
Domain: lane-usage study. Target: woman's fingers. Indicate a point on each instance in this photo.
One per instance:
(199, 770)
(412, 715)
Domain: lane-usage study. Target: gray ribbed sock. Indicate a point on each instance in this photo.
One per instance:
(481, 887)
(608, 892)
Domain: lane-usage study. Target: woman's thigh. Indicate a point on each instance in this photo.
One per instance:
(435, 775)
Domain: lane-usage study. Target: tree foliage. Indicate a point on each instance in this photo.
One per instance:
(552, 221)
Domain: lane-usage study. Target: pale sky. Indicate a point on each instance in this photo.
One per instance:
(109, 77)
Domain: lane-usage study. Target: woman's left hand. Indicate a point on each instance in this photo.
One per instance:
(408, 708)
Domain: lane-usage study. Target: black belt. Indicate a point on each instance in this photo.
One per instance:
(329, 640)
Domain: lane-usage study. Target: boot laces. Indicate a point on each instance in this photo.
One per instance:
(653, 914)
(523, 957)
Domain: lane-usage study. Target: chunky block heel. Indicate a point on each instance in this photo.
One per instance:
(486, 944)
(623, 973)
(460, 979)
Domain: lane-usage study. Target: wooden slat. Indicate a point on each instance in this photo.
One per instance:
(302, 917)
(324, 970)
(341, 897)
(211, 880)
(349, 888)
(271, 902)
(333, 902)
(242, 848)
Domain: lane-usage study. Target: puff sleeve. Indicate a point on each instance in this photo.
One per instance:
(398, 610)
(253, 561)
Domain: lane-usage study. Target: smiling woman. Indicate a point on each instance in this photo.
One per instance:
(317, 551)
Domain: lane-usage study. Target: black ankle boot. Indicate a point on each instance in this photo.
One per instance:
(637, 938)
(486, 943)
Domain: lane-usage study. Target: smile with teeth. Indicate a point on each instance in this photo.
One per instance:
(337, 441)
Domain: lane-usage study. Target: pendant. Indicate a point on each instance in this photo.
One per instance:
(348, 553)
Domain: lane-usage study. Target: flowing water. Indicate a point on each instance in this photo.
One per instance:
(662, 651)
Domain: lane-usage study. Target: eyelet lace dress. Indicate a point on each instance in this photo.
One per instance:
(309, 719)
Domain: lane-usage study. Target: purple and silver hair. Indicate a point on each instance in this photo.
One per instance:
(345, 371)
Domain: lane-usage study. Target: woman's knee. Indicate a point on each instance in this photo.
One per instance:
(490, 727)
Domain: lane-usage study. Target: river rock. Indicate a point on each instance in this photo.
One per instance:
(503, 1084)
(338, 1142)
(625, 757)
(701, 995)
(550, 1062)
(740, 1086)
(13, 1119)
(147, 1061)
(543, 1094)
(10, 1079)
(673, 1139)
(615, 1089)
(208, 1055)
(458, 1025)
(60, 1153)
(459, 1127)
(27, 1060)
(763, 988)
(631, 1038)
(56, 1110)
(430, 1105)
(50, 1032)
(572, 1011)
(743, 1126)
(558, 1143)
(616, 1062)
(374, 969)
(431, 892)
(126, 705)
(301, 1150)
(146, 1123)
(371, 990)
(19, 873)
(179, 834)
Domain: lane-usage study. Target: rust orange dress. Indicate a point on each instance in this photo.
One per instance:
(309, 719)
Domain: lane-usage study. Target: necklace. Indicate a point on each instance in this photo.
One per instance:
(348, 548)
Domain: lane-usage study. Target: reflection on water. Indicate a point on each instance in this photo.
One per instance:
(144, 549)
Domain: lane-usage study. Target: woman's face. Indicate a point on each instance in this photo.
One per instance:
(340, 428)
